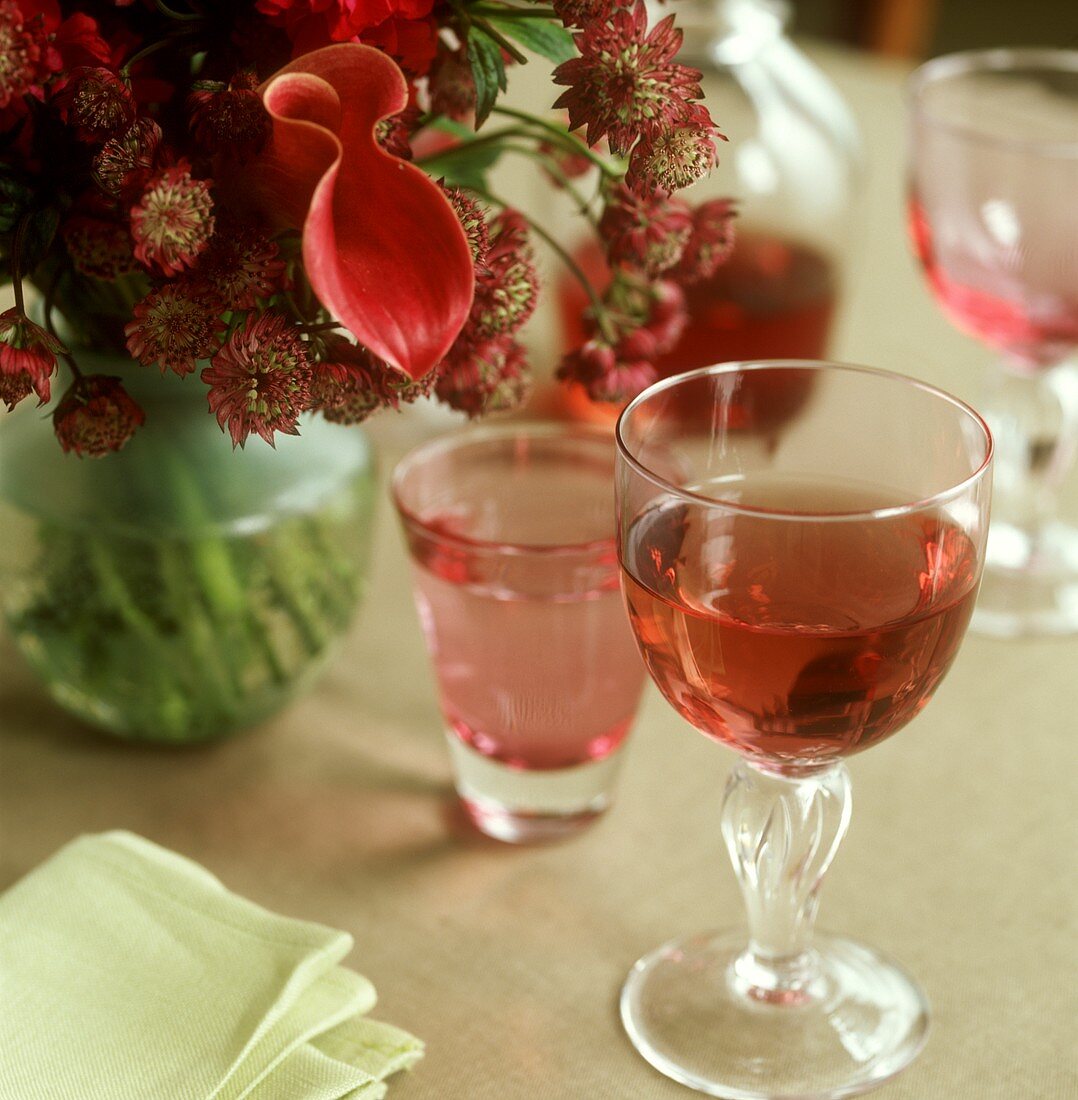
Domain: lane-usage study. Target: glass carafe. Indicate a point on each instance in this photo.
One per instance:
(792, 164)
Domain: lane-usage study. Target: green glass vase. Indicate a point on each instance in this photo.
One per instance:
(179, 591)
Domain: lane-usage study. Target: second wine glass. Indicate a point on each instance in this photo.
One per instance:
(993, 215)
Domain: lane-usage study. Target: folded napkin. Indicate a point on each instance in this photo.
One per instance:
(130, 973)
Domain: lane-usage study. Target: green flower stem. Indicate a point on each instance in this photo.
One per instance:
(562, 180)
(288, 573)
(598, 309)
(213, 562)
(430, 163)
(562, 137)
(102, 561)
(210, 558)
(338, 594)
(184, 17)
(215, 665)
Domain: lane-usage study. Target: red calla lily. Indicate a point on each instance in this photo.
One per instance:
(382, 247)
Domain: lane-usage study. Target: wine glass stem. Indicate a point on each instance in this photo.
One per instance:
(1034, 421)
(782, 831)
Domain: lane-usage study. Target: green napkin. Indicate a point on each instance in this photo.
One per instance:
(130, 973)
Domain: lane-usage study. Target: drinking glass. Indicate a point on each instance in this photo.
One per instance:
(511, 535)
(798, 591)
(993, 216)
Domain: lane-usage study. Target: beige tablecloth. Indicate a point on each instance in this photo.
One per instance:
(960, 861)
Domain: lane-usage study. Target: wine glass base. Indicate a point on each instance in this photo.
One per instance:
(688, 1013)
(1030, 584)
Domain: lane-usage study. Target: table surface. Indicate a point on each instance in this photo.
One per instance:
(508, 962)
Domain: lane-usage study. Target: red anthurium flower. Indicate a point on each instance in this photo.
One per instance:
(382, 246)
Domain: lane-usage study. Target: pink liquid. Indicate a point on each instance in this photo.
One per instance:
(797, 641)
(1036, 331)
(535, 662)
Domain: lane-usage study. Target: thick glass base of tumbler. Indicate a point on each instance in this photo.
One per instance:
(690, 1010)
(522, 806)
(1030, 584)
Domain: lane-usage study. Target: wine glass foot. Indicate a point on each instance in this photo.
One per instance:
(1030, 583)
(687, 1011)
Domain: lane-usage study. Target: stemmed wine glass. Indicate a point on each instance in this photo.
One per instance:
(993, 215)
(797, 592)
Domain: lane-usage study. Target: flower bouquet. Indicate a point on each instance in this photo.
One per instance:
(279, 212)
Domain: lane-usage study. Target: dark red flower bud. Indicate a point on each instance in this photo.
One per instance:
(124, 164)
(96, 416)
(98, 247)
(229, 119)
(646, 231)
(97, 102)
(710, 243)
(27, 357)
(394, 133)
(452, 86)
(489, 377)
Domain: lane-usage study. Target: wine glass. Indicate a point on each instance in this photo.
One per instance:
(993, 217)
(797, 599)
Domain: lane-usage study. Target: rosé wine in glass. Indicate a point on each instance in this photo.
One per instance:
(797, 590)
(511, 535)
(800, 641)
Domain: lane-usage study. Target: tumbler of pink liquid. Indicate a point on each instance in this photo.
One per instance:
(511, 534)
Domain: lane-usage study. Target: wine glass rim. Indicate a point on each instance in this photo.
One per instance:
(888, 512)
(491, 433)
(1000, 59)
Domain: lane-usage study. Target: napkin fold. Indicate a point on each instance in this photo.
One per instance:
(127, 972)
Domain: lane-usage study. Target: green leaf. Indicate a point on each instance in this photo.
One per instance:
(549, 40)
(462, 167)
(488, 71)
(451, 126)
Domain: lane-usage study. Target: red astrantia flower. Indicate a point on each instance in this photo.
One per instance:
(97, 103)
(98, 247)
(382, 247)
(174, 327)
(123, 165)
(615, 368)
(260, 379)
(625, 84)
(96, 416)
(506, 285)
(490, 377)
(229, 118)
(27, 355)
(474, 221)
(240, 266)
(674, 158)
(172, 222)
(646, 231)
(711, 241)
(606, 372)
(349, 383)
